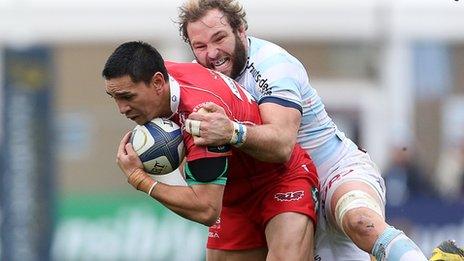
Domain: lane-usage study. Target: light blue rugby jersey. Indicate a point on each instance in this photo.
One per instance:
(274, 75)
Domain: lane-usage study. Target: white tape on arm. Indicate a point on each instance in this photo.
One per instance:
(192, 127)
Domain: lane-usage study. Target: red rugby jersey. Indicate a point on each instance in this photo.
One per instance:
(197, 85)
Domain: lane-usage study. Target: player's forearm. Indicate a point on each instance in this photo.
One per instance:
(274, 140)
(268, 143)
(184, 201)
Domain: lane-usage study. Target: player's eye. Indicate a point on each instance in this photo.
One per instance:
(128, 97)
(199, 47)
(220, 38)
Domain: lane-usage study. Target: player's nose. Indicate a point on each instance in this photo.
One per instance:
(212, 52)
(123, 107)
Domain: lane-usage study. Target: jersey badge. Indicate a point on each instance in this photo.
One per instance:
(289, 196)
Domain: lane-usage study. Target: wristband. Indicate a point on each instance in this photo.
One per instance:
(239, 134)
(152, 187)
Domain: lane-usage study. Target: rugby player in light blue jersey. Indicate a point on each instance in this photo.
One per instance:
(351, 222)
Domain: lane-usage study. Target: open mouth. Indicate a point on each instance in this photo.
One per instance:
(222, 65)
(220, 62)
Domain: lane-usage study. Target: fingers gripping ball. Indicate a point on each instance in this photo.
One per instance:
(159, 145)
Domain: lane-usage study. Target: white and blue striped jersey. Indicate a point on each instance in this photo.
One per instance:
(273, 75)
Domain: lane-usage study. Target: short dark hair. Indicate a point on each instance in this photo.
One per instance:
(193, 10)
(139, 60)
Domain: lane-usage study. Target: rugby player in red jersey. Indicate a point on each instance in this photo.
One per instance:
(256, 210)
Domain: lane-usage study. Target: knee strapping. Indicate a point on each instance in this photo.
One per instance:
(355, 199)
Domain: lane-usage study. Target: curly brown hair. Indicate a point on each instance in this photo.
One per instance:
(193, 10)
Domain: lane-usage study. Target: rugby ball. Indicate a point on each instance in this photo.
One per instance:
(159, 145)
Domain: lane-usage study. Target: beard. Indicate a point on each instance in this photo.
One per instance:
(239, 58)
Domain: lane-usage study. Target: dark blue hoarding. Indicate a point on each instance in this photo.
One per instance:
(27, 162)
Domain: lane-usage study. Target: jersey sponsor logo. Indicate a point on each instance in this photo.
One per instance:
(335, 179)
(213, 234)
(261, 82)
(201, 105)
(289, 196)
(219, 149)
(330, 184)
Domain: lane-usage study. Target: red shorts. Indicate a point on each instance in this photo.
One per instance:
(249, 204)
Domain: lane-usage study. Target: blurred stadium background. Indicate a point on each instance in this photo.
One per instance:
(391, 74)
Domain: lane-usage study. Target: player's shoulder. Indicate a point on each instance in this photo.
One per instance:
(176, 67)
(259, 43)
(264, 54)
(191, 74)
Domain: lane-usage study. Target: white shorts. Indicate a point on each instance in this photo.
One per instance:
(356, 165)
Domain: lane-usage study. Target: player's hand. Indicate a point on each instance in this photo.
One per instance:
(130, 163)
(215, 127)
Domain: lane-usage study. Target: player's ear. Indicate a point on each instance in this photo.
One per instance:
(158, 81)
(241, 31)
